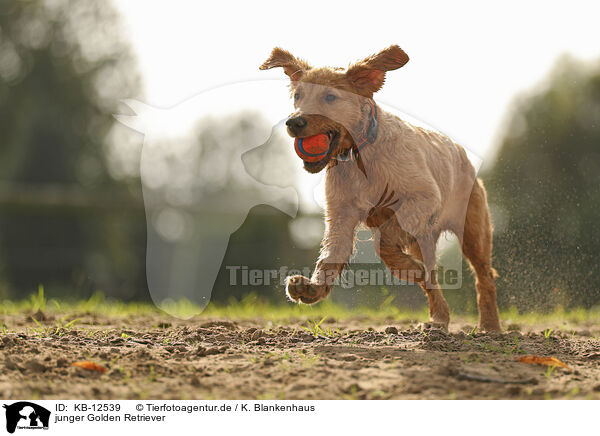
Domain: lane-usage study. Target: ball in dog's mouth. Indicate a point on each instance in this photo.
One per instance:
(316, 150)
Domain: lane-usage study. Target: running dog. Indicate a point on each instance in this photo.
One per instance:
(406, 183)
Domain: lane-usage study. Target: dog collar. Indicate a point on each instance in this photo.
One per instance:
(369, 135)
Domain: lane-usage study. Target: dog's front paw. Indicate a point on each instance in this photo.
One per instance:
(302, 290)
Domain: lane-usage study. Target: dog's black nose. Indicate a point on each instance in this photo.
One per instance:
(296, 123)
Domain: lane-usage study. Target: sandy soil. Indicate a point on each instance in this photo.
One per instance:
(151, 357)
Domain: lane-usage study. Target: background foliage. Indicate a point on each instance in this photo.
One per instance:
(545, 188)
(73, 220)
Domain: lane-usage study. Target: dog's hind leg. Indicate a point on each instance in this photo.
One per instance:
(416, 266)
(439, 313)
(477, 248)
(401, 264)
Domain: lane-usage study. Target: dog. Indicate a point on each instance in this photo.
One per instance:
(405, 183)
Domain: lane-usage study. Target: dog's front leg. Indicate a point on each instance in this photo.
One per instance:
(336, 249)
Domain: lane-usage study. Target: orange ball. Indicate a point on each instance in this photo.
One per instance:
(312, 148)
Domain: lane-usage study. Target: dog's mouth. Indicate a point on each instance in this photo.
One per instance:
(316, 166)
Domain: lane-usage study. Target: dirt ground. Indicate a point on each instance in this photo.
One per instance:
(158, 358)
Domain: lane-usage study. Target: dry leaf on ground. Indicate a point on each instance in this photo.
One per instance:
(91, 366)
(541, 360)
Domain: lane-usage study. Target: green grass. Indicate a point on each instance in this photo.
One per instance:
(249, 307)
(549, 371)
(548, 335)
(97, 303)
(509, 349)
(254, 307)
(38, 301)
(559, 315)
(314, 328)
(59, 327)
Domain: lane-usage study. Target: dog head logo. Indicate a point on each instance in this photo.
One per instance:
(197, 187)
(26, 415)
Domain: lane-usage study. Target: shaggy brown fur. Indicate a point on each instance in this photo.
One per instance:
(408, 185)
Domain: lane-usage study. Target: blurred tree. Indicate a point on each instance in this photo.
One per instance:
(63, 67)
(545, 193)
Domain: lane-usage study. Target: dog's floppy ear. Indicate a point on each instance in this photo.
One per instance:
(293, 67)
(369, 74)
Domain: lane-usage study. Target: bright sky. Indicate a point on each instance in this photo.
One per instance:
(468, 59)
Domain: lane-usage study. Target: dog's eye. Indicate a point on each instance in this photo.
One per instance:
(296, 96)
(330, 97)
